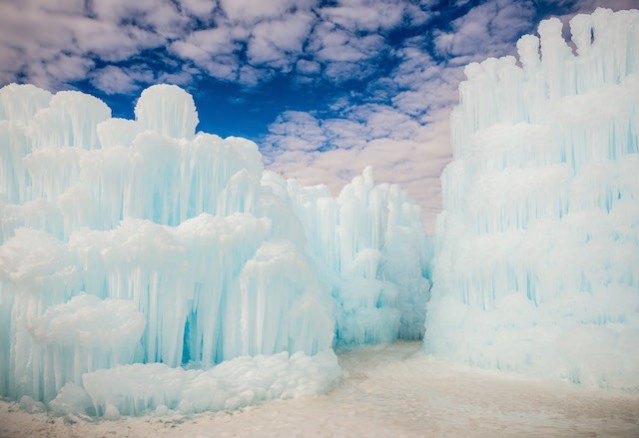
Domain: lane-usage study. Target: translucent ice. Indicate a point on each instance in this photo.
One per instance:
(537, 262)
(83, 335)
(132, 250)
(371, 249)
(168, 110)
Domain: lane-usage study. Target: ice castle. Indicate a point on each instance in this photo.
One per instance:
(537, 248)
(144, 265)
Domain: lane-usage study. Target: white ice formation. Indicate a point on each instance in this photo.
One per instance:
(537, 253)
(139, 247)
(372, 252)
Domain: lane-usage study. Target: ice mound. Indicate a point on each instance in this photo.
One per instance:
(133, 250)
(230, 385)
(537, 261)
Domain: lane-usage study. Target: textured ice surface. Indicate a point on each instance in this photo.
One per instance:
(371, 249)
(537, 262)
(143, 246)
(138, 389)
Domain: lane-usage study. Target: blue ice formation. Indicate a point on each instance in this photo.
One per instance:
(537, 254)
(372, 251)
(140, 247)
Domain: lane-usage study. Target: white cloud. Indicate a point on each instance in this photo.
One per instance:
(278, 43)
(201, 9)
(212, 50)
(11, 62)
(250, 76)
(113, 80)
(436, 92)
(295, 130)
(63, 6)
(414, 164)
(307, 67)
(344, 133)
(366, 16)
(487, 30)
(57, 44)
(218, 40)
(248, 12)
(161, 16)
(343, 71)
(113, 42)
(66, 68)
(330, 43)
(116, 80)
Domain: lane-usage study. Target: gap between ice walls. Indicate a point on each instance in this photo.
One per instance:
(536, 265)
(147, 268)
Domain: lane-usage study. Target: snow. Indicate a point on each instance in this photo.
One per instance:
(142, 249)
(389, 390)
(535, 269)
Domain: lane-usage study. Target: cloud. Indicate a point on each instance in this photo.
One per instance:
(414, 164)
(279, 43)
(242, 41)
(486, 30)
(211, 50)
(116, 80)
(201, 9)
(437, 92)
(306, 67)
(330, 43)
(58, 42)
(248, 12)
(160, 16)
(112, 42)
(295, 130)
(344, 133)
(366, 16)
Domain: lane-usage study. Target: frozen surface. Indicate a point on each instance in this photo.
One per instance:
(387, 391)
(136, 249)
(537, 261)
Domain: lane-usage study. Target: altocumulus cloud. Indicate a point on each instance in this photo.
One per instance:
(375, 79)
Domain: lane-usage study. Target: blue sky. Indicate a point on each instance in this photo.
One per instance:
(324, 87)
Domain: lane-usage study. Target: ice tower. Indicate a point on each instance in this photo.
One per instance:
(537, 247)
(131, 249)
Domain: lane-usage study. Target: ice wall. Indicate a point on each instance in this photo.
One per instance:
(141, 242)
(139, 247)
(371, 248)
(537, 253)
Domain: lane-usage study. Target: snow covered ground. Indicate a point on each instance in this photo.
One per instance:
(388, 391)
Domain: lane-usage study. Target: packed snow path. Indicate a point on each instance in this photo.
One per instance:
(388, 391)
